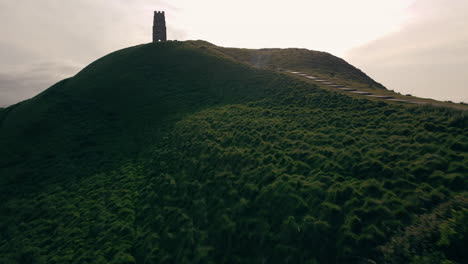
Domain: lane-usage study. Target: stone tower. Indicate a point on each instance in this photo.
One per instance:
(159, 27)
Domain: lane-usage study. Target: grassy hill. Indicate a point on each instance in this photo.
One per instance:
(182, 152)
(320, 63)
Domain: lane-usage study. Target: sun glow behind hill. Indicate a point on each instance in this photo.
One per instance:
(76, 32)
(333, 26)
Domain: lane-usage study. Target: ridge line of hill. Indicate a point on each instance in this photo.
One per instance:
(321, 65)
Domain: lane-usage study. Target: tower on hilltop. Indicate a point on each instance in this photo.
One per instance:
(159, 27)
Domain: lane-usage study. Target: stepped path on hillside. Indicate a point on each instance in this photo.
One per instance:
(351, 90)
(355, 91)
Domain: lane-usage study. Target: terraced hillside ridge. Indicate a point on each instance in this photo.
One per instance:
(317, 62)
(175, 152)
(326, 68)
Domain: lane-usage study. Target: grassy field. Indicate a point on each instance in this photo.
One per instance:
(182, 152)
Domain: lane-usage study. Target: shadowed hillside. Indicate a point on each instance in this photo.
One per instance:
(121, 103)
(181, 152)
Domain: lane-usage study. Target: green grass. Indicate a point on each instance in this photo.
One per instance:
(179, 152)
(321, 64)
(118, 105)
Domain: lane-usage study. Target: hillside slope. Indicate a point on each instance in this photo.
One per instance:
(321, 63)
(126, 97)
(179, 153)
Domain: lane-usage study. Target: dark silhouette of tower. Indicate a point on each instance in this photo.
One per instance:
(159, 27)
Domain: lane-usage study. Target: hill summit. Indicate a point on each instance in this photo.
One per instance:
(186, 152)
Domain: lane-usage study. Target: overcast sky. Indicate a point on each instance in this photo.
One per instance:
(411, 46)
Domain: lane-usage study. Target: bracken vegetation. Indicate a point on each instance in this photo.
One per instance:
(173, 153)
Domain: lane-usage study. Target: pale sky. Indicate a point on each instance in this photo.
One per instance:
(410, 46)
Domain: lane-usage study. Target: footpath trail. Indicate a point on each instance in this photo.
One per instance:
(355, 91)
